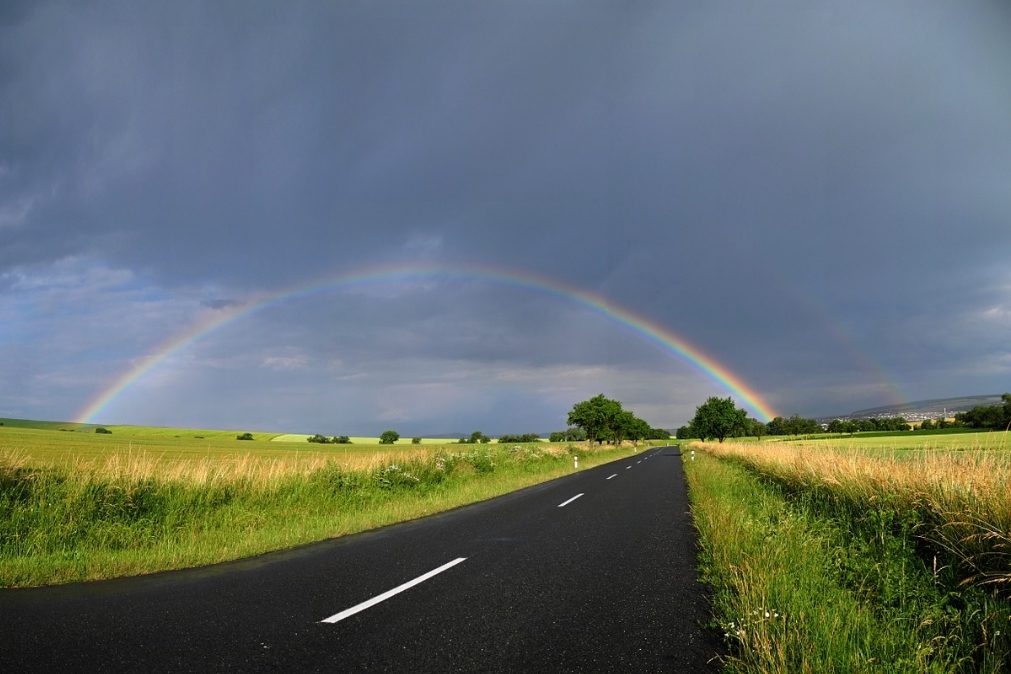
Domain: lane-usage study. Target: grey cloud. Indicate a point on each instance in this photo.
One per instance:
(799, 190)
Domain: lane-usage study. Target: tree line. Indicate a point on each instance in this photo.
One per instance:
(995, 417)
(719, 418)
(604, 420)
(870, 424)
(323, 440)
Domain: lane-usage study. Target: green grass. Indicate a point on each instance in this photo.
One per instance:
(89, 508)
(803, 582)
(960, 439)
(364, 440)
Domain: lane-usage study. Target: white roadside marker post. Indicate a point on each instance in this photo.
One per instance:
(575, 461)
(693, 455)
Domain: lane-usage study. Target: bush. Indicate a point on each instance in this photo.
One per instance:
(101, 429)
(244, 436)
(569, 435)
(415, 441)
(388, 437)
(341, 440)
(525, 437)
(321, 439)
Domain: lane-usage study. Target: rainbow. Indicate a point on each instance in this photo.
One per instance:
(641, 325)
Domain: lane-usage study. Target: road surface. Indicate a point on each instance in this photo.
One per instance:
(590, 572)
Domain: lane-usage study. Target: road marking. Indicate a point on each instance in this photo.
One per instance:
(615, 475)
(346, 613)
(627, 467)
(638, 462)
(562, 505)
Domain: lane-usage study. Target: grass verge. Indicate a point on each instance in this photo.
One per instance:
(803, 584)
(138, 515)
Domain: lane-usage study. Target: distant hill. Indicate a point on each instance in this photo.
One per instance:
(47, 425)
(922, 409)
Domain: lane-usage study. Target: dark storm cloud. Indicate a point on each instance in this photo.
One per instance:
(812, 193)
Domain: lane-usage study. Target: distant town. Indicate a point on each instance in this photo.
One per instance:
(921, 410)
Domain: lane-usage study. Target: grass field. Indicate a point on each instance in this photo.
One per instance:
(950, 439)
(51, 445)
(364, 440)
(81, 505)
(867, 556)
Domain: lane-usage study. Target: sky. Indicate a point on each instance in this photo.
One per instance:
(815, 195)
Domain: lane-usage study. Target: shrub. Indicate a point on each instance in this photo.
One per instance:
(341, 440)
(101, 429)
(525, 437)
(415, 441)
(317, 438)
(244, 436)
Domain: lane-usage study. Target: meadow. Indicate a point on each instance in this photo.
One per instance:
(80, 505)
(368, 440)
(852, 554)
(954, 439)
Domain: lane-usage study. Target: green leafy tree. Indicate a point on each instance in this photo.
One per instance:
(632, 427)
(718, 418)
(478, 436)
(519, 437)
(596, 416)
(388, 437)
(568, 435)
(244, 436)
(341, 440)
(754, 428)
(659, 434)
(415, 441)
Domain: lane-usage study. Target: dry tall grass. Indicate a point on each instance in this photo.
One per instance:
(257, 470)
(960, 500)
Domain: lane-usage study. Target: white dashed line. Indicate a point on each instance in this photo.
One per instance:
(615, 475)
(562, 505)
(627, 467)
(346, 613)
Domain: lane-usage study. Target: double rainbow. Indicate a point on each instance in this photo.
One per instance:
(641, 325)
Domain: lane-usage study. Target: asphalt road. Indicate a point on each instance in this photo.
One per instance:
(531, 581)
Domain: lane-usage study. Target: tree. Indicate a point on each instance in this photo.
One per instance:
(568, 435)
(321, 439)
(718, 418)
(795, 425)
(102, 429)
(997, 417)
(244, 436)
(519, 437)
(596, 416)
(754, 428)
(415, 441)
(640, 430)
(341, 440)
(478, 436)
(659, 434)
(388, 437)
